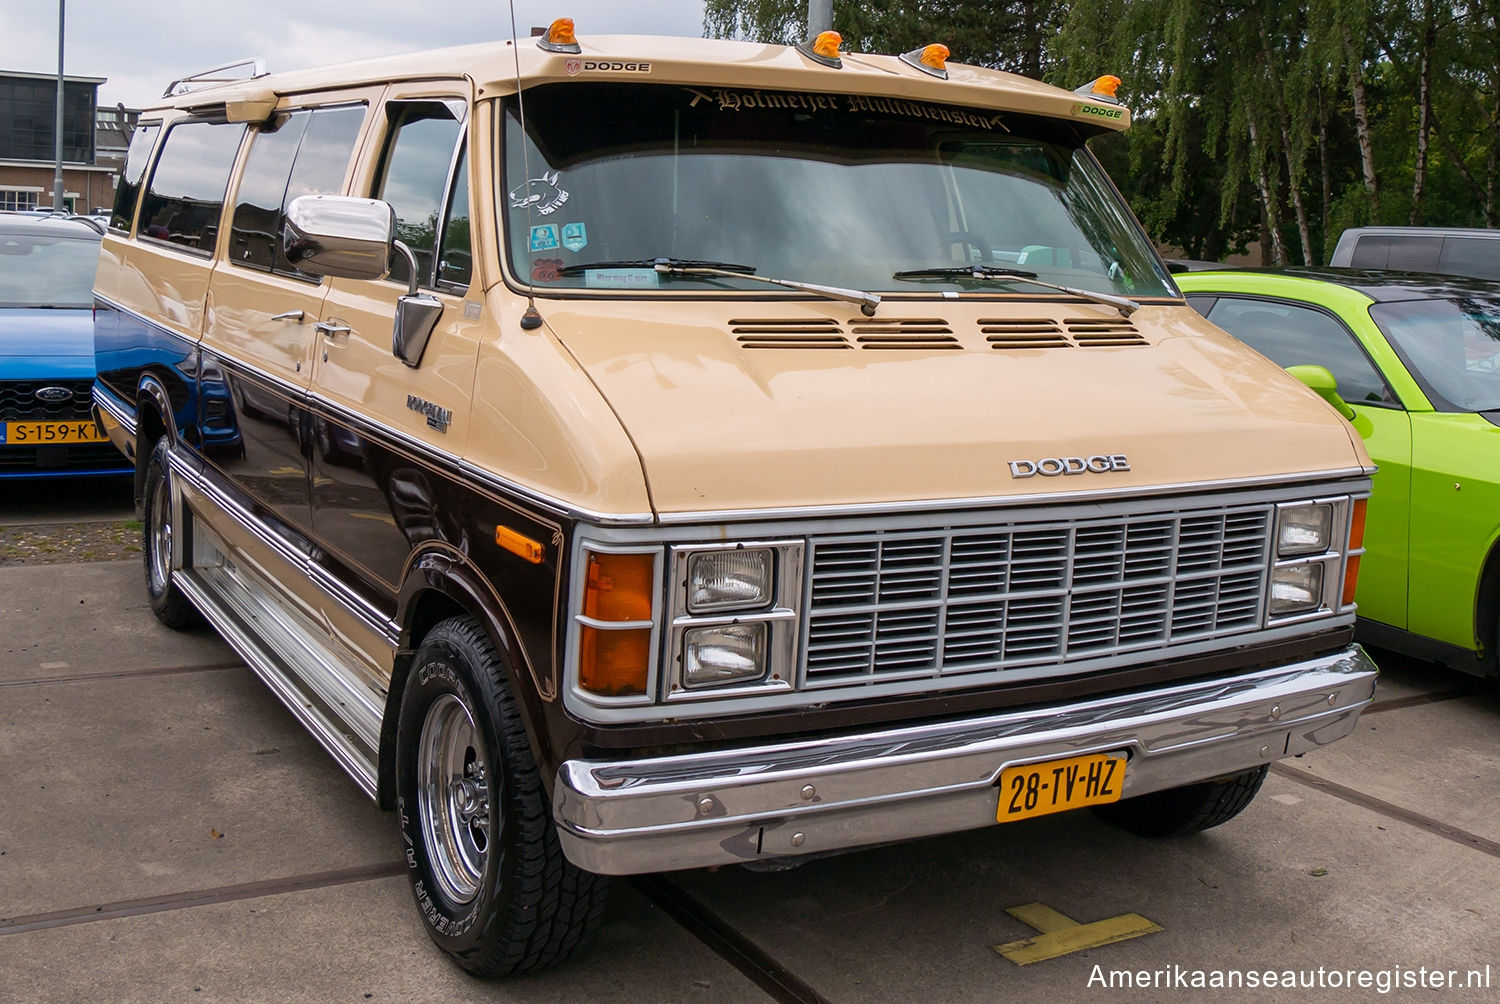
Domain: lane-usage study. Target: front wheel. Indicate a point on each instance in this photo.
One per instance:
(158, 531)
(1189, 809)
(486, 868)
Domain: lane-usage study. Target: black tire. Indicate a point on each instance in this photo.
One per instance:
(1177, 812)
(486, 868)
(168, 603)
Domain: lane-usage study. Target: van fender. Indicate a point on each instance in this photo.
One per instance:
(439, 568)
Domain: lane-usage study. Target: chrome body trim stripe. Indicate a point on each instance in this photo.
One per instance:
(351, 601)
(779, 800)
(105, 400)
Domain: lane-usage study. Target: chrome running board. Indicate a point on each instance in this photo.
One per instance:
(310, 679)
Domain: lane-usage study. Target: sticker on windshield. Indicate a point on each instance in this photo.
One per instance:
(622, 278)
(542, 194)
(546, 270)
(575, 237)
(544, 238)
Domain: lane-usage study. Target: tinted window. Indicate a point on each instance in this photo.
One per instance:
(1292, 335)
(414, 177)
(1451, 346)
(1476, 256)
(258, 206)
(185, 197)
(302, 153)
(130, 177)
(455, 263)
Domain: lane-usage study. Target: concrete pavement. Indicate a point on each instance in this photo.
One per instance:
(168, 831)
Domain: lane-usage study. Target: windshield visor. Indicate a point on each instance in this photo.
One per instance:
(42, 270)
(1451, 345)
(821, 188)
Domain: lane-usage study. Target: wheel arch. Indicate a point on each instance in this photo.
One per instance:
(440, 583)
(154, 419)
(1487, 611)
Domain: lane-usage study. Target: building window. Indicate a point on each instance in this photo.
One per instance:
(13, 199)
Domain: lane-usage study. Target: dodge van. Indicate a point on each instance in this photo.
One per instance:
(629, 454)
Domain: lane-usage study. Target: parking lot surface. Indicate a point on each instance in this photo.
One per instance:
(168, 831)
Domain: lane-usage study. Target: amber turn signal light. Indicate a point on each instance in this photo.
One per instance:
(1356, 542)
(616, 661)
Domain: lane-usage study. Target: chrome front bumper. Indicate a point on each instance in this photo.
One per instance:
(780, 800)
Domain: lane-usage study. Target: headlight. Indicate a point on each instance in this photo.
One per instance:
(731, 653)
(729, 580)
(1304, 529)
(1295, 588)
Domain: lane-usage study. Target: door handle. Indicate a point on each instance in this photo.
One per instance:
(332, 328)
(288, 315)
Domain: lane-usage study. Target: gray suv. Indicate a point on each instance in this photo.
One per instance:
(1449, 250)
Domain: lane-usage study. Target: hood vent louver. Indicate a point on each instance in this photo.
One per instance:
(816, 333)
(1043, 333)
(904, 333)
(1022, 333)
(1087, 332)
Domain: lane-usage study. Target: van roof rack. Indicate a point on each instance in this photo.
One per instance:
(217, 75)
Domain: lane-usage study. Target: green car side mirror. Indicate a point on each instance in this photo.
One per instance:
(1325, 384)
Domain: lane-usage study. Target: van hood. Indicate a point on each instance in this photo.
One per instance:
(802, 405)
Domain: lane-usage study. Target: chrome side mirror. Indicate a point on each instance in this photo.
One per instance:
(416, 315)
(339, 236)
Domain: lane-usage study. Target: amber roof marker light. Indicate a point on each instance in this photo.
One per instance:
(560, 37)
(1101, 88)
(824, 49)
(931, 59)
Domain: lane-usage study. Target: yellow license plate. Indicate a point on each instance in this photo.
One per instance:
(50, 433)
(1056, 785)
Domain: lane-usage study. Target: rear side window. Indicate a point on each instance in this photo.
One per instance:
(1408, 253)
(415, 170)
(185, 197)
(300, 153)
(1476, 256)
(130, 178)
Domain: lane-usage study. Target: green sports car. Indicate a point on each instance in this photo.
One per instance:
(1417, 364)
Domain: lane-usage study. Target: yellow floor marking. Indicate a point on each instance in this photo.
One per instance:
(1061, 935)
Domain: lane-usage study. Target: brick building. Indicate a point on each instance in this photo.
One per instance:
(94, 141)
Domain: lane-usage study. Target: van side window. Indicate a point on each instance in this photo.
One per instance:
(413, 178)
(455, 260)
(130, 178)
(185, 196)
(300, 153)
(1476, 256)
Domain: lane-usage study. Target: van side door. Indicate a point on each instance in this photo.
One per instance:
(389, 431)
(262, 312)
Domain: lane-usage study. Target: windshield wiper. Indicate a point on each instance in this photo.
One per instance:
(655, 263)
(690, 267)
(1123, 304)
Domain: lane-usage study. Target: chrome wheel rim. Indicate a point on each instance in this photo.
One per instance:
(453, 798)
(161, 536)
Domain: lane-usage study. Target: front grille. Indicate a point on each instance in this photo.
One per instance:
(904, 605)
(18, 401)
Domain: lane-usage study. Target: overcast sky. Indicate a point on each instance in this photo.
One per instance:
(142, 46)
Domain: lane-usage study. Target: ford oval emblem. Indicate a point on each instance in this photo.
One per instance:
(52, 395)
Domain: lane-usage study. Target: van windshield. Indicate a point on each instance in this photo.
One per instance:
(835, 189)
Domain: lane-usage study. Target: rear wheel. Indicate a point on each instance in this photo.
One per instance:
(158, 532)
(486, 868)
(1189, 809)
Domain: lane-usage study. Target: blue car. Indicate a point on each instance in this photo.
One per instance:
(47, 426)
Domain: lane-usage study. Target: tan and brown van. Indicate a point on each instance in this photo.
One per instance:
(630, 454)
